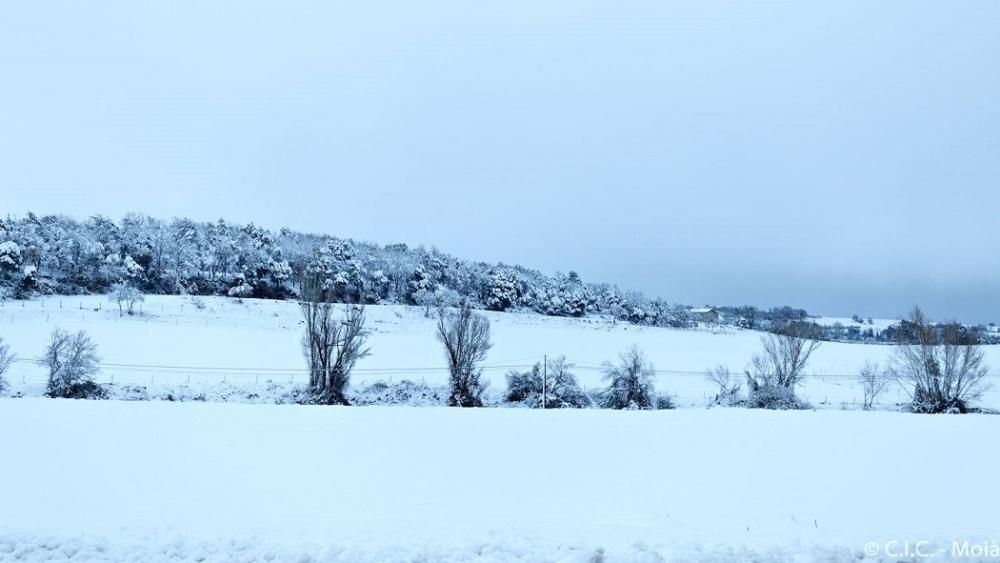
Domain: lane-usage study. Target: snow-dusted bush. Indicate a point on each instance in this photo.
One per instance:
(943, 367)
(241, 288)
(630, 382)
(774, 373)
(73, 362)
(6, 358)
(466, 338)
(403, 392)
(125, 296)
(551, 386)
(774, 397)
(873, 383)
(728, 384)
(664, 402)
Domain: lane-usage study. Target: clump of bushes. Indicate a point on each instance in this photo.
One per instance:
(550, 386)
(404, 392)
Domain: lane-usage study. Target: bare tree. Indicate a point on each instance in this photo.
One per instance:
(332, 347)
(873, 383)
(942, 367)
(6, 358)
(73, 362)
(466, 338)
(729, 385)
(630, 382)
(774, 374)
(126, 296)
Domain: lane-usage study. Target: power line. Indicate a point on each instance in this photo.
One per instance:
(243, 370)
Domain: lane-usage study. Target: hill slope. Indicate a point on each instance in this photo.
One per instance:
(205, 341)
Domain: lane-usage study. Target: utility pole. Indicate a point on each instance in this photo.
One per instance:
(545, 378)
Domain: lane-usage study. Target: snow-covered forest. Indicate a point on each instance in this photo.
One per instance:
(60, 255)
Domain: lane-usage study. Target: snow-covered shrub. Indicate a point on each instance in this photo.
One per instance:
(873, 383)
(742, 323)
(525, 387)
(729, 386)
(126, 296)
(6, 358)
(73, 362)
(28, 283)
(466, 338)
(943, 367)
(774, 374)
(241, 288)
(404, 392)
(774, 397)
(664, 402)
(552, 386)
(630, 382)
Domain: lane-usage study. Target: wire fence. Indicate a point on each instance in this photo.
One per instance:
(290, 374)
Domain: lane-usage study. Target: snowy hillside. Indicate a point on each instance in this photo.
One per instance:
(209, 341)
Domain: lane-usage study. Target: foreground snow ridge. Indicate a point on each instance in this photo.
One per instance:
(165, 547)
(158, 481)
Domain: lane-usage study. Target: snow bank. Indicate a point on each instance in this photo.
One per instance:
(159, 481)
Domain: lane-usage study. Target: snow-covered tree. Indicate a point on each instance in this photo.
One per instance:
(126, 296)
(6, 358)
(503, 289)
(10, 258)
(630, 382)
(942, 367)
(466, 339)
(332, 346)
(73, 362)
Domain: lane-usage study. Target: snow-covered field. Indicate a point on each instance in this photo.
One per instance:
(176, 345)
(192, 481)
(158, 481)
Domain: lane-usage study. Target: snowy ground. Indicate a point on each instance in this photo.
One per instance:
(229, 345)
(129, 481)
(159, 481)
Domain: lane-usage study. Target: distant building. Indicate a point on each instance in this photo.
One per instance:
(705, 314)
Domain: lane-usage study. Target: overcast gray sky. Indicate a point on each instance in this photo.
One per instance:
(842, 156)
